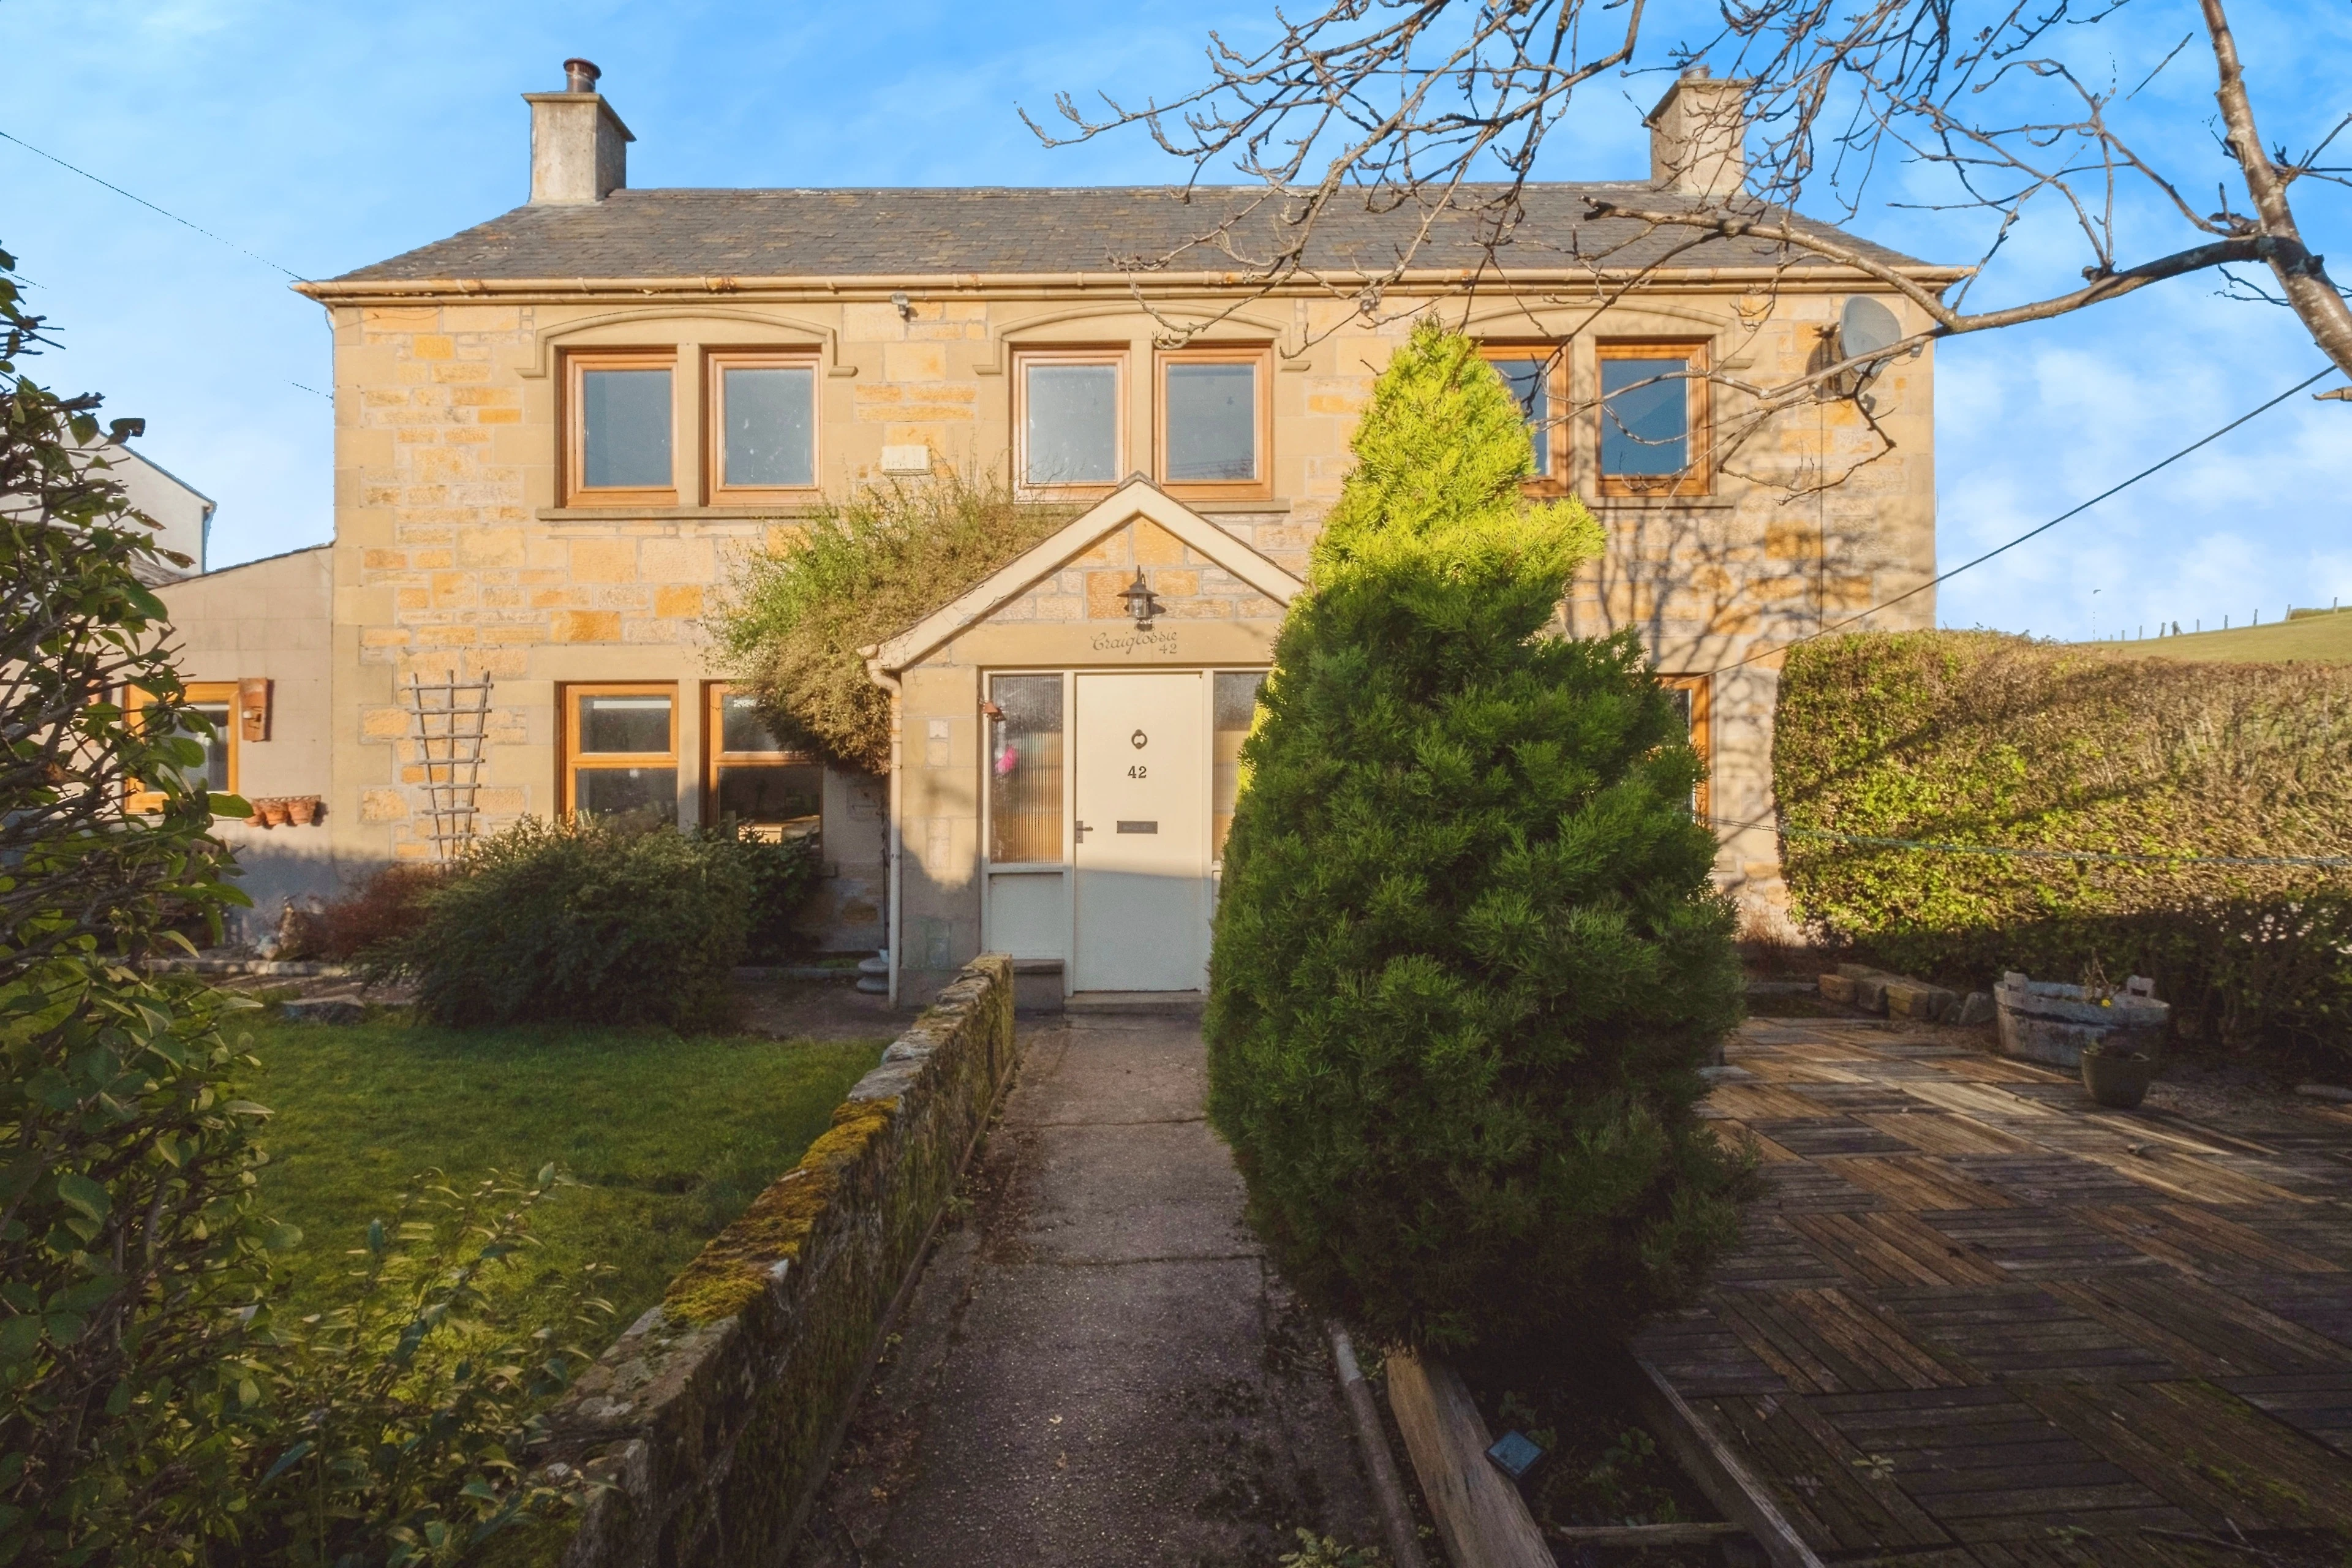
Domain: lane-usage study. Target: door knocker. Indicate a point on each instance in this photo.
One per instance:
(1138, 740)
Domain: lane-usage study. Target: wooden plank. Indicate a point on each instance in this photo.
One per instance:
(1945, 1132)
(1760, 1102)
(1986, 1104)
(2200, 1180)
(1921, 1182)
(1479, 1513)
(1722, 1473)
(2207, 1451)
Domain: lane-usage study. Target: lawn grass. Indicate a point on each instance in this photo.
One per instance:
(669, 1138)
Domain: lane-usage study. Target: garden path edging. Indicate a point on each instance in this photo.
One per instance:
(715, 1414)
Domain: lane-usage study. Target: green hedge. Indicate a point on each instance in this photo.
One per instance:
(1978, 739)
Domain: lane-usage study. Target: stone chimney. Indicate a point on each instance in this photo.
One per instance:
(579, 148)
(1696, 133)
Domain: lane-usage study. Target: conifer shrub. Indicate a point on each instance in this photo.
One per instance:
(1467, 958)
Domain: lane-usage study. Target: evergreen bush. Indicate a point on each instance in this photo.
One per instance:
(1467, 958)
(584, 919)
(855, 574)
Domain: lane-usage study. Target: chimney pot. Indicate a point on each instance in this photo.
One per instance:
(579, 148)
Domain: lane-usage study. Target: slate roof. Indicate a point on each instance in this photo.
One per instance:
(911, 231)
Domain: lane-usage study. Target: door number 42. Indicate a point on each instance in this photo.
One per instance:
(1139, 772)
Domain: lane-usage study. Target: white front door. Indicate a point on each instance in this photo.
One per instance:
(1142, 833)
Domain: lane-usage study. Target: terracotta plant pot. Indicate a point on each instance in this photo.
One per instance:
(2117, 1078)
(270, 813)
(302, 810)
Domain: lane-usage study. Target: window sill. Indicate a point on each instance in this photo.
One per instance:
(1661, 503)
(677, 513)
(1229, 505)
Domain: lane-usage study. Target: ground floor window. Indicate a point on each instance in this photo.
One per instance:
(620, 750)
(1235, 706)
(1692, 696)
(209, 719)
(1023, 718)
(751, 776)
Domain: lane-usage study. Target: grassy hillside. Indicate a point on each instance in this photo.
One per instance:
(2323, 636)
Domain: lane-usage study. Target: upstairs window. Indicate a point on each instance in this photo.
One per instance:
(1069, 425)
(753, 777)
(1653, 437)
(1532, 372)
(620, 430)
(1213, 424)
(763, 424)
(620, 751)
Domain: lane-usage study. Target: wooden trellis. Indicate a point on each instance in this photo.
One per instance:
(452, 721)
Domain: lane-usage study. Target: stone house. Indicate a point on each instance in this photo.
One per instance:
(555, 430)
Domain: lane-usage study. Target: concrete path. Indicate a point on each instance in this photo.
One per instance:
(1099, 1365)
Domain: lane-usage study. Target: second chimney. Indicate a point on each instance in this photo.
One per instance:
(579, 148)
(1697, 134)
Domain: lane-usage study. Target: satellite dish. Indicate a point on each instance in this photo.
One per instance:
(1866, 329)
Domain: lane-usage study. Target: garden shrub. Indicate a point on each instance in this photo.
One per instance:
(1468, 960)
(387, 904)
(399, 1423)
(127, 1236)
(784, 873)
(148, 1406)
(858, 572)
(582, 919)
(1978, 739)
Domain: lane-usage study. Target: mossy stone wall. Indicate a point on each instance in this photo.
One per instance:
(715, 1414)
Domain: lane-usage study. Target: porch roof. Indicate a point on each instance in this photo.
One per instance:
(1138, 498)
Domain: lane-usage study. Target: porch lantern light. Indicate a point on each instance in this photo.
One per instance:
(1141, 604)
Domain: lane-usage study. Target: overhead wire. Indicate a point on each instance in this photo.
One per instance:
(175, 217)
(151, 206)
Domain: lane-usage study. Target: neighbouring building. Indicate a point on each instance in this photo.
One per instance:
(183, 514)
(554, 431)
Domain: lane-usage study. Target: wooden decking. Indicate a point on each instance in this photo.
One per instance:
(1978, 1320)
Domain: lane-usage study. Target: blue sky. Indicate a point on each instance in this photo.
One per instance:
(324, 136)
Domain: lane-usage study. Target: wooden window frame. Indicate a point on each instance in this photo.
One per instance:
(716, 364)
(1116, 355)
(715, 756)
(1701, 736)
(1556, 394)
(137, 797)
(1697, 478)
(568, 755)
(578, 362)
(1258, 354)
